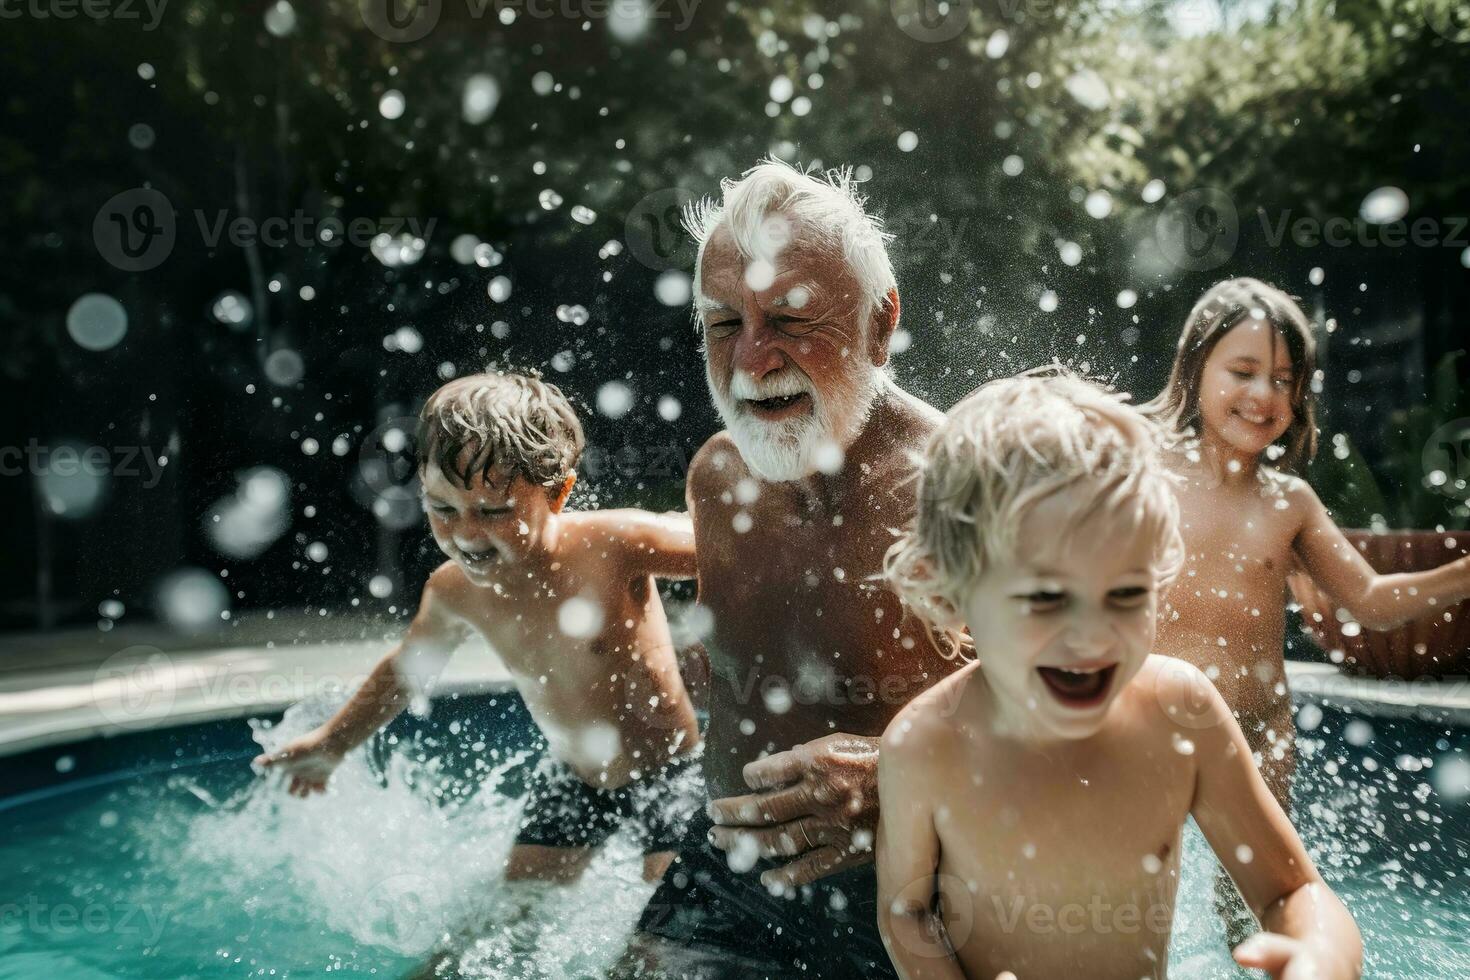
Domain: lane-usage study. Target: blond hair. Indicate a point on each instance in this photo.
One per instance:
(516, 423)
(1002, 450)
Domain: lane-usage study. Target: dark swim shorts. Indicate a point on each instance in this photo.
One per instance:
(563, 811)
(715, 916)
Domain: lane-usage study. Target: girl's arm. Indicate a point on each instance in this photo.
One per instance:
(908, 860)
(1378, 602)
(1306, 930)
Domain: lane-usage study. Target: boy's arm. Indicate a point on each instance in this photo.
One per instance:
(661, 545)
(908, 860)
(1379, 602)
(1305, 926)
(405, 672)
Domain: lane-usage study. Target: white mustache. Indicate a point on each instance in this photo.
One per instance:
(745, 387)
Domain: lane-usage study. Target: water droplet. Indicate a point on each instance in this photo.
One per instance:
(96, 321)
(673, 288)
(280, 19)
(579, 618)
(192, 599)
(1384, 205)
(481, 96)
(1099, 204)
(615, 399)
(392, 104)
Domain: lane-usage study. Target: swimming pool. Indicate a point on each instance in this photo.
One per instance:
(157, 854)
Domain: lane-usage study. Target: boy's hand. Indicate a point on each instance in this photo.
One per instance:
(1285, 958)
(308, 761)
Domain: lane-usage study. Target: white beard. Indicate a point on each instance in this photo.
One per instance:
(779, 452)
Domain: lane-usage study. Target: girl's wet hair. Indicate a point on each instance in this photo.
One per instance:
(1006, 447)
(1218, 311)
(500, 421)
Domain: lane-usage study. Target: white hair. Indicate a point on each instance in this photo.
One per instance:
(1006, 447)
(826, 205)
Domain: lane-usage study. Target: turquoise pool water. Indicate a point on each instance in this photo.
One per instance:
(190, 868)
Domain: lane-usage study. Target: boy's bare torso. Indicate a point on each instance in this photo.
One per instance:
(611, 704)
(1226, 613)
(804, 643)
(1059, 860)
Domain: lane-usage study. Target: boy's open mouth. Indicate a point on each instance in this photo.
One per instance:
(778, 406)
(1078, 688)
(478, 557)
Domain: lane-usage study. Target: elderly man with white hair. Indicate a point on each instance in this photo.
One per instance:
(794, 506)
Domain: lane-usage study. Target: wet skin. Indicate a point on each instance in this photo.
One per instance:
(1246, 527)
(1050, 825)
(809, 656)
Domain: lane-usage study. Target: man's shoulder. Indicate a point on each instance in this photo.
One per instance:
(912, 416)
(716, 466)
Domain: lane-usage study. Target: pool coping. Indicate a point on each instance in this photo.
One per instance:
(150, 689)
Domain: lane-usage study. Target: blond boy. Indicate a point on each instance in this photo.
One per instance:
(1032, 802)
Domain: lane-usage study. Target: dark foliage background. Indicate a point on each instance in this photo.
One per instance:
(259, 110)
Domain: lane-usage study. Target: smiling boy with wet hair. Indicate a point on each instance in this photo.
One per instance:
(568, 602)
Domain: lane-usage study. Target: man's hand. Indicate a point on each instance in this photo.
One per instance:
(309, 762)
(818, 801)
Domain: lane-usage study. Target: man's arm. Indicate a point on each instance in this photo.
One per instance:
(406, 672)
(1306, 930)
(908, 860)
(1379, 602)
